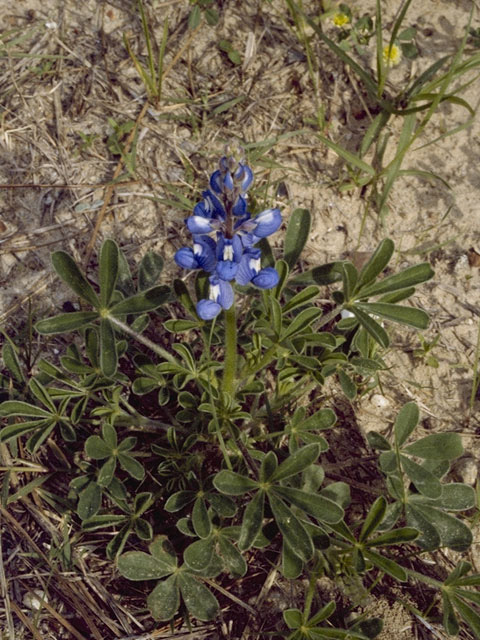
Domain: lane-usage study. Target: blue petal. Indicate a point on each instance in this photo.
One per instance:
(185, 258)
(226, 269)
(216, 181)
(228, 181)
(267, 222)
(199, 224)
(245, 271)
(208, 309)
(266, 278)
(204, 250)
(240, 206)
(245, 174)
(225, 299)
(215, 206)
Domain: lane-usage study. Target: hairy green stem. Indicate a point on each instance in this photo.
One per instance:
(145, 341)
(230, 360)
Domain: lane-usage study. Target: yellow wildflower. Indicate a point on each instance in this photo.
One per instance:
(340, 19)
(392, 54)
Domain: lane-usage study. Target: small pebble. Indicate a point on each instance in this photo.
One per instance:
(379, 401)
(467, 469)
(35, 599)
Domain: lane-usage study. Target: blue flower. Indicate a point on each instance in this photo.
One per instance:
(250, 271)
(232, 256)
(220, 296)
(202, 256)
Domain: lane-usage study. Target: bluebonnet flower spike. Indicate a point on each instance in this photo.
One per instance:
(232, 255)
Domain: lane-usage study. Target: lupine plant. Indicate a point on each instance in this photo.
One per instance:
(228, 395)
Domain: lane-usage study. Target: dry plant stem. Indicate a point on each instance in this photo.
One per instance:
(111, 187)
(5, 596)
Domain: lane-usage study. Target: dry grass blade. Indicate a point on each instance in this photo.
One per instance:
(111, 188)
(27, 622)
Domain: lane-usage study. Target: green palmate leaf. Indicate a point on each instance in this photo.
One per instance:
(324, 613)
(453, 533)
(373, 519)
(107, 472)
(377, 332)
(470, 616)
(233, 483)
(301, 322)
(200, 602)
(142, 502)
(178, 326)
(293, 618)
(164, 600)
(224, 506)
(10, 358)
(142, 302)
(323, 275)
(408, 278)
(97, 448)
(282, 269)
(117, 543)
(296, 463)
(99, 522)
(458, 573)
(143, 529)
(455, 497)
(296, 236)
(430, 538)
(149, 271)
(66, 322)
(124, 280)
(349, 388)
(437, 446)
(179, 500)
(450, 621)
(291, 529)
(406, 422)
(198, 555)
(108, 271)
(89, 501)
(252, 521)
(276, 315)
(131, 466)
(68, 270)
(316, 505)
(386, 565)
(292, 565)
(40, 435)
(377, 263)
(110, 435)
(397, 536)
(19, 429)
(268, 466)
(200, 519)
(11, 408)
(137, 565)
(108, 349)
(424, 481)
(301, 298)
(405, 315)
(323, 419)
(349, 277)
(183, 296)
(232, 557)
